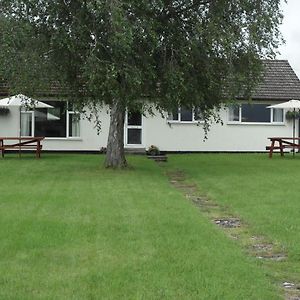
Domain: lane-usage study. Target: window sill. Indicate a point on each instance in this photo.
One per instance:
(185, 122)
(256, 123)
(63, 139)
(133, 146)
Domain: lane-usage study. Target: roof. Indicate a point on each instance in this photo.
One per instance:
(279, 82)
(55, 89)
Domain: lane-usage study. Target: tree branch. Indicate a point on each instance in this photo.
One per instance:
(196, 3)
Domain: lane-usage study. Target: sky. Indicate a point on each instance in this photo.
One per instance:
(291, 33)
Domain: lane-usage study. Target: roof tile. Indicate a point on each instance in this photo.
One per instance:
(279, 82)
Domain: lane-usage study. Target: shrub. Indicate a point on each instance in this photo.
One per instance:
(153, 150)
(290, 115)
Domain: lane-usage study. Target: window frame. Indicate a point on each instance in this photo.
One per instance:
(128, 127)
(72, 112)
(240, 122)
(68, 113)
(31, 112)
(193, 121)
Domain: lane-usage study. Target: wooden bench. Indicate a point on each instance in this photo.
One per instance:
(22, 143)
(283, 143)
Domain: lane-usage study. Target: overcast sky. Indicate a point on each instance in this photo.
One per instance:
(291, 33)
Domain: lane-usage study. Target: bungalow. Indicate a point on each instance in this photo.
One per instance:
(245, 127)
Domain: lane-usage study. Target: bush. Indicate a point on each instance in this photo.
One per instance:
(290, 115)
(153, 151)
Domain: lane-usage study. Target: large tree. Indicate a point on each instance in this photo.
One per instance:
(137, 55)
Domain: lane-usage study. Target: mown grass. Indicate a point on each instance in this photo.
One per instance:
(264, 192)
(69, 229)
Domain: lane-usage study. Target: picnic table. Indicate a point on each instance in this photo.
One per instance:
(21, 143)
(282, 143)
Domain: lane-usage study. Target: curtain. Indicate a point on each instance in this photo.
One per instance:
(277, 115)
(26, 124)
(74, 125)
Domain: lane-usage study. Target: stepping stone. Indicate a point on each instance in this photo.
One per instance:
(275, 257)
(262, 247)
(288, 285)
(228, 223)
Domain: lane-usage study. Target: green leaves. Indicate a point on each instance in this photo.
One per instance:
(197, 53)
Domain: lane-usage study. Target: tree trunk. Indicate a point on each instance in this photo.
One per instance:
(115, 157)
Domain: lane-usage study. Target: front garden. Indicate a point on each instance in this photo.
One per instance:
(70, 229)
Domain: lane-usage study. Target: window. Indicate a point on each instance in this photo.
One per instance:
(185, 115)
(56, 122)
(277, 115)
(134, 136)
(234, 113)
(51, 122)
(73, 124)
(254, 113)
(26, 123)
(134, 128)
(134, 119)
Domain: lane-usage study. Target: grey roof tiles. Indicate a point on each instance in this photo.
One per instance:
(279, 82)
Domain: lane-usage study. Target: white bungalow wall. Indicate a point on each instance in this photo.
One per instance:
(226, 137)
(88, 140)
(9, 124)
(157, 131)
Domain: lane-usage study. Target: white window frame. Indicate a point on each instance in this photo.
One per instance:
(32, 121)
(72, 112)
(193, 121)
(68, 113)
(126, 127)
(239, 122)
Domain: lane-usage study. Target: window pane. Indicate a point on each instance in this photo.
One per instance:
(277, 115)
(135, 118)
(186, 114)
(51, 122)
(198, 116)
(26, 124)
(134, 136)
(70, 106)
(74, 128)
(234, 113)
(173, 116)
(256, 113)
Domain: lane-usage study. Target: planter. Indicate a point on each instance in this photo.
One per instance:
(291, 115)
(153, 151)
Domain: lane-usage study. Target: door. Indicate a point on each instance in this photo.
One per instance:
(133, 129)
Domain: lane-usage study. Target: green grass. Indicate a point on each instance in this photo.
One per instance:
(69, 229)
(264, 192)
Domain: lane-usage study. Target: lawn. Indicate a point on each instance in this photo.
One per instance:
(70, 229)
(263, 192)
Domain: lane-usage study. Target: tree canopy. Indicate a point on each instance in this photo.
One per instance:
(134, 54)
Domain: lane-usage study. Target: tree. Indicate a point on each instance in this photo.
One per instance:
(138, 55)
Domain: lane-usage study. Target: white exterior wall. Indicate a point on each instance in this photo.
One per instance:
(10, 124)
(226, 137)
(168, 137)
(88, 140)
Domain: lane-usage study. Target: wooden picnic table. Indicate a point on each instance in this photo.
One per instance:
(282, 143)
(21, 143)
